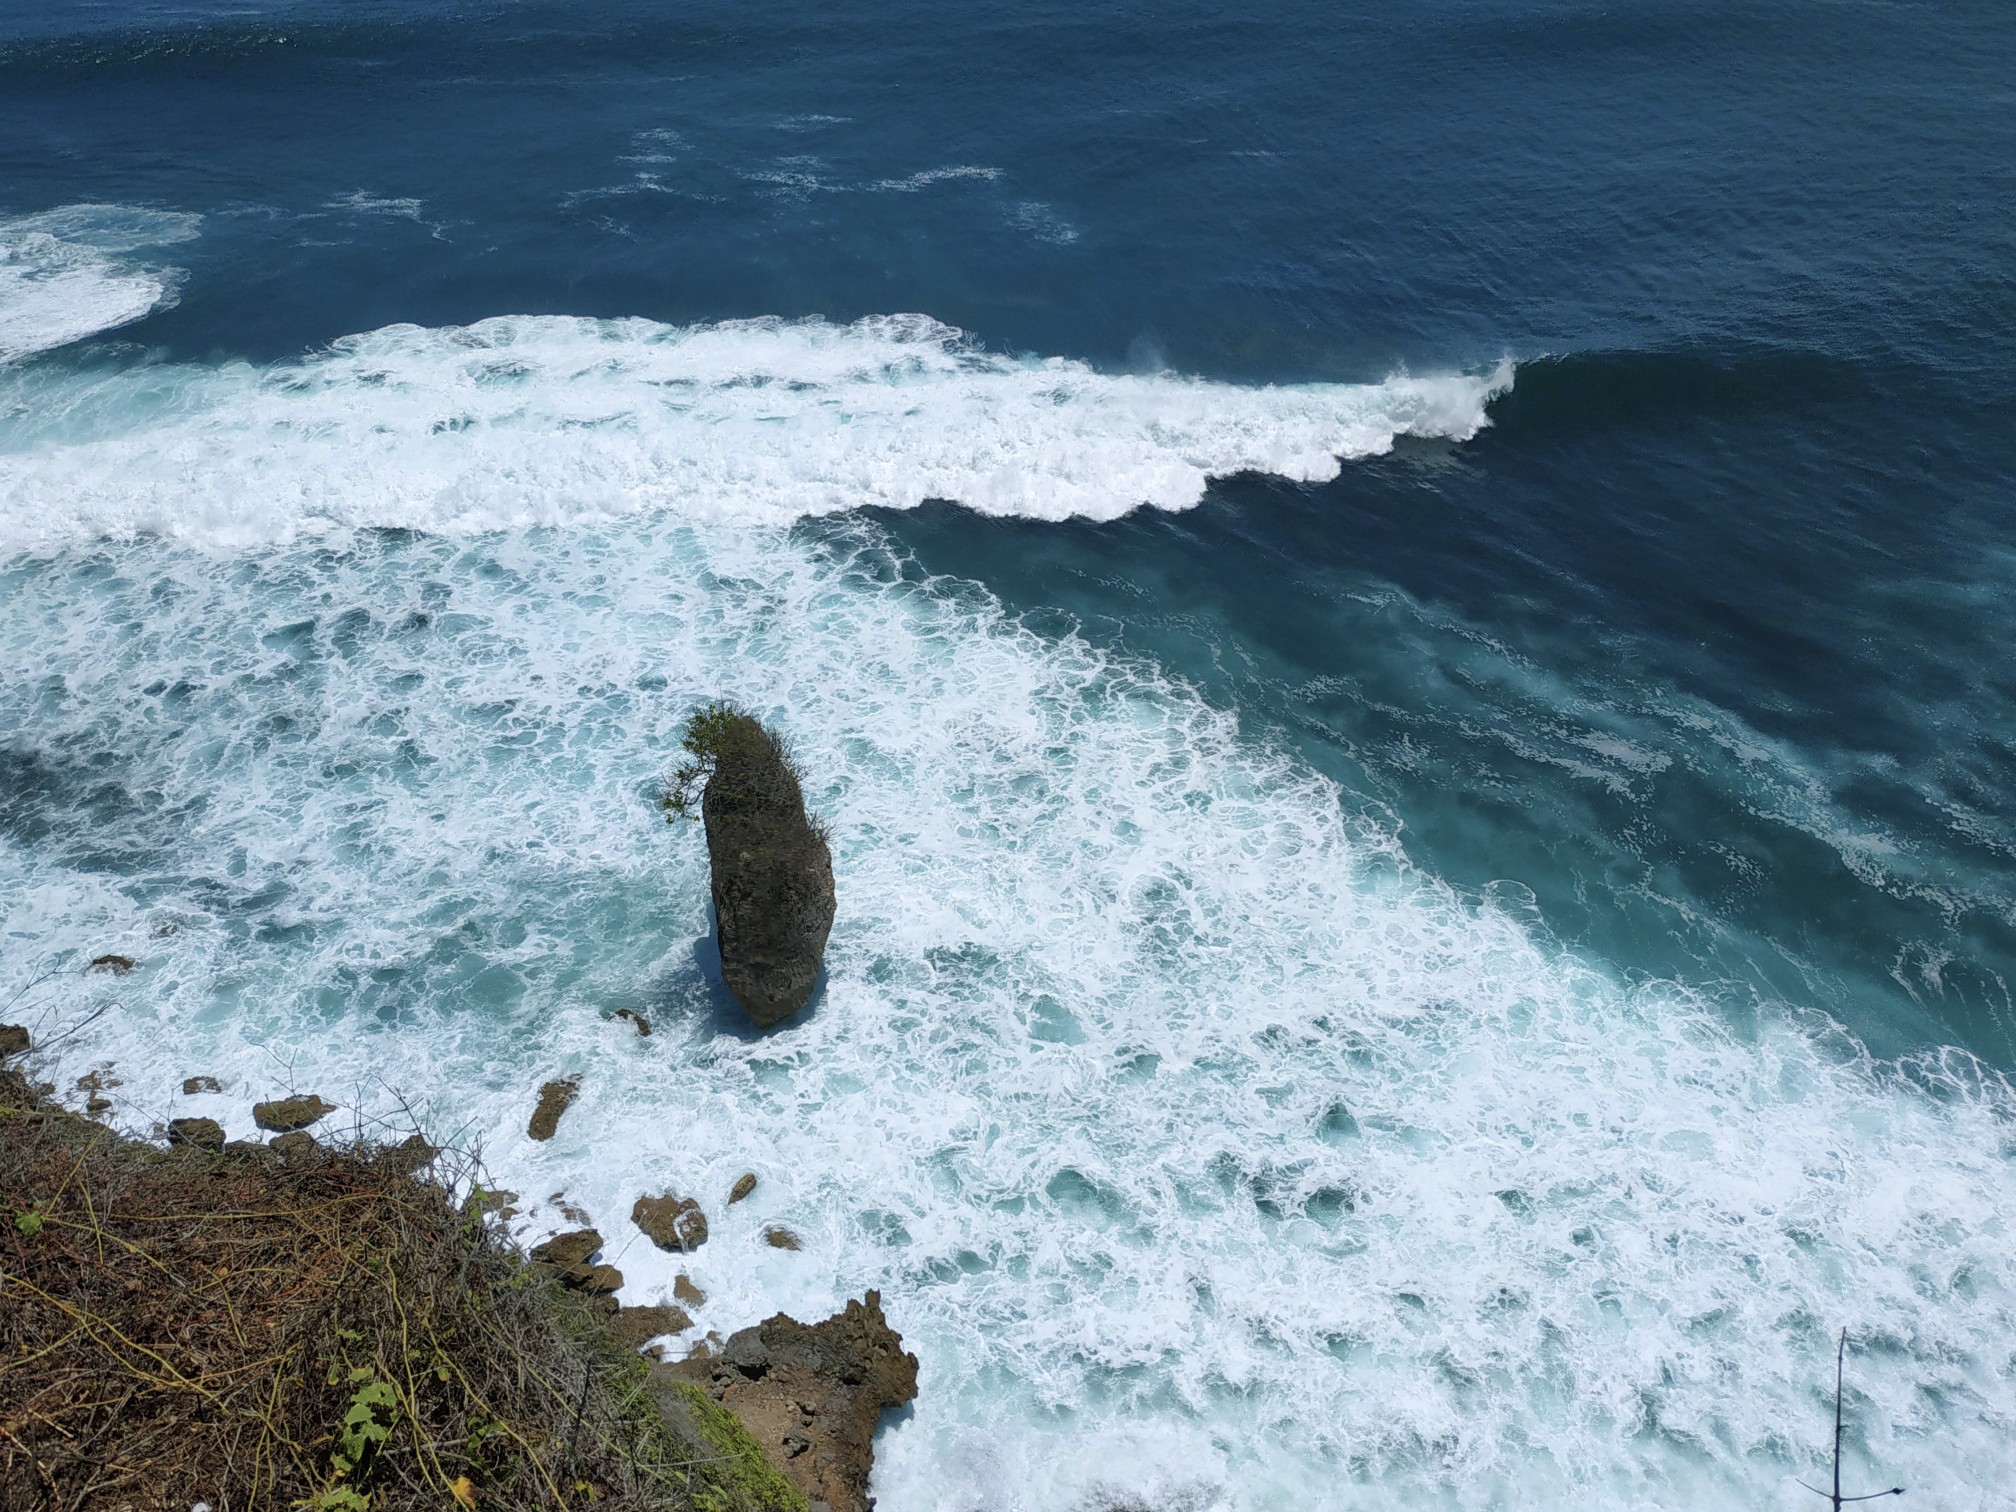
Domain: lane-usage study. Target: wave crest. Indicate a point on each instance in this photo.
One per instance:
(524, 420)
(63, 276)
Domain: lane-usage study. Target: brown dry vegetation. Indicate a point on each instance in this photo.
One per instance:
(326, 1332)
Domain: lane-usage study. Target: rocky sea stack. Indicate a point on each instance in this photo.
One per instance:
(773, 873)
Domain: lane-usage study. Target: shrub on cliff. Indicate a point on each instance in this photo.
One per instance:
(330, 1332)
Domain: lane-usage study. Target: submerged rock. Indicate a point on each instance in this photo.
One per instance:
(555, 1098)
(285, 1115)
(96, 1083)
(781, 1238)
(812, 1394)
(773, 873)
(684, 1289)
(193, 1085)
(671, 1222)
(118, 965)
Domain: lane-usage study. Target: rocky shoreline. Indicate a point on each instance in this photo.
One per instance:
(779, 1418)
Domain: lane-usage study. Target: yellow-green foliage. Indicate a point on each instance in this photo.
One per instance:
(740, 1478)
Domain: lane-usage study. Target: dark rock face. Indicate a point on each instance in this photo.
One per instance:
(773, 875)
(812, 1394)
(13, 1040)
(287, 1114)
(199, 1084)
(671, 1222)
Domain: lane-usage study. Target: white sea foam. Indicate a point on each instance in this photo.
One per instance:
(1208, 1153)
(520, 421)
(65, 273)
(364, 203)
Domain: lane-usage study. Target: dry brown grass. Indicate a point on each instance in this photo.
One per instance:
(230, 1328)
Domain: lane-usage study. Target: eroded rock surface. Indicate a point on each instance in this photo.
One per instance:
(638, 1326)
(296, 1148)
(285, 1115)
(812, 1394)
(555, 1098)
(565, 1251)
(13, 1040)
(671, 1222)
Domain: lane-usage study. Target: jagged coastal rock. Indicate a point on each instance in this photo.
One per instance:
(773, 873)
(285, 1115)
(555, 1098)
(671, 1222)
(812, 1394)
(13, 1040)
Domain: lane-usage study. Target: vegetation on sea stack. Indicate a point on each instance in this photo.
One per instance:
(719, 732)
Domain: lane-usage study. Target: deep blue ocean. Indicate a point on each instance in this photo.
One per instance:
(1401, 615)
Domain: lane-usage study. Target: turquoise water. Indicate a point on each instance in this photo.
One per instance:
(1396, 617)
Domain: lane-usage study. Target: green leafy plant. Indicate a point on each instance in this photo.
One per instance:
(367, 1424)
(28, 1223)
(710, 729)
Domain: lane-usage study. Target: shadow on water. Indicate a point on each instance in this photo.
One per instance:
(697, 996)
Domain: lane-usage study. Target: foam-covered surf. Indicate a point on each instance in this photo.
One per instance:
(546, 420)
(69, 273)
(1207, 1151)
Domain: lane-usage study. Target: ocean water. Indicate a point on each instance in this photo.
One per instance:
(1399, 615)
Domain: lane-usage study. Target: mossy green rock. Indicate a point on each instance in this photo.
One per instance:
(740, 1478)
